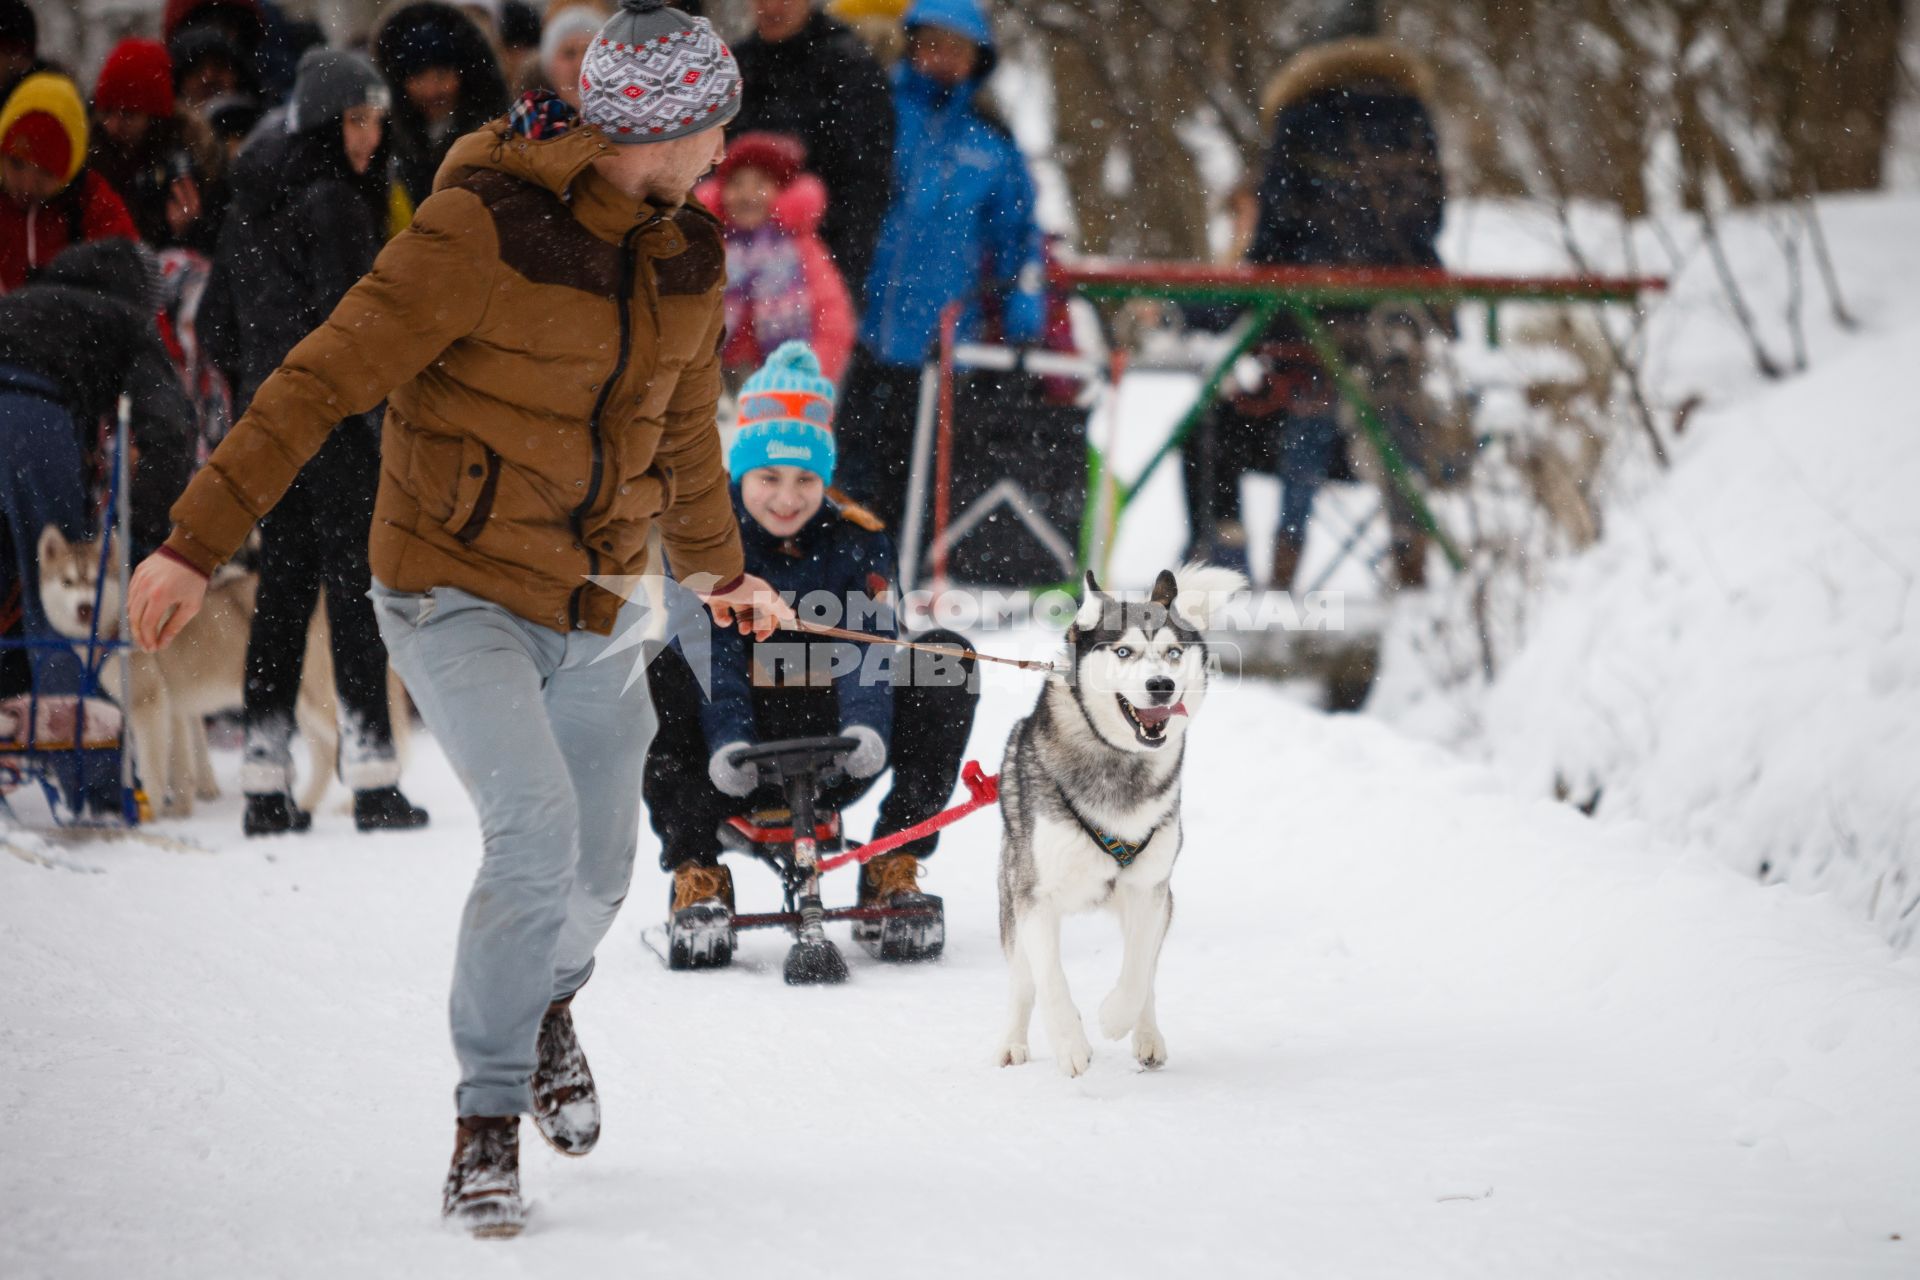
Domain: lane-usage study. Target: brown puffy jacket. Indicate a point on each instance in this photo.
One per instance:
(547, 350)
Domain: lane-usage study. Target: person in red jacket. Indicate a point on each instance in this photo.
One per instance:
(781, 282)
(49, 199)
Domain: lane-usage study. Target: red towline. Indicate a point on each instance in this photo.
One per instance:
(983, 789)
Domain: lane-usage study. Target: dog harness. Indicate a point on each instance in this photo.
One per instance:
(1121, 851)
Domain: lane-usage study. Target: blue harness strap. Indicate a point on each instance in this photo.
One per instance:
(1121, 851)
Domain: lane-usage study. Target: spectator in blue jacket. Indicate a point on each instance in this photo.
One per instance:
(837, 565)
(961, 223)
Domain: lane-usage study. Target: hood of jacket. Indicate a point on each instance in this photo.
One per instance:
(562, 165)
(429, 33)
(275, 167)
(798, 208)
(245, 12)
(552, 164)
(113, 267)
(1343, 63)
(962, 17)
(801, 206)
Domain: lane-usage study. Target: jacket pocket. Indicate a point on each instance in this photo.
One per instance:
(646, 495)
(622, 535)
(474, 491)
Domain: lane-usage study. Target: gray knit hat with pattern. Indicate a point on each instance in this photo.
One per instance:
(654, 74)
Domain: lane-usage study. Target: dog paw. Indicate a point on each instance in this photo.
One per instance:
(1073, 1053)
(1118, 1013)
(1012, 1055)
(1149, 1047)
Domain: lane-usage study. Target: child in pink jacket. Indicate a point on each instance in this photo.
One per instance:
(781, 282)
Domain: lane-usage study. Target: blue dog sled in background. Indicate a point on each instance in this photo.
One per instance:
(76, 746)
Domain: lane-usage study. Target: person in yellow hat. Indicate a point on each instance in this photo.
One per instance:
(881, 23)
(49, 199)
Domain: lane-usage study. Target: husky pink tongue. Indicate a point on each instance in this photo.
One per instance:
(1159, 715)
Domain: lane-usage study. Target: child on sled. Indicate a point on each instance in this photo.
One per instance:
(909, 711)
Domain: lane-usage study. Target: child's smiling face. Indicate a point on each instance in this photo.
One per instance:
(749, 194)
(782, 499)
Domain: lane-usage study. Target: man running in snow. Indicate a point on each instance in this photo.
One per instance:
(546, 337)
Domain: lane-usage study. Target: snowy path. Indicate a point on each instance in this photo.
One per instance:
(1417, 1028)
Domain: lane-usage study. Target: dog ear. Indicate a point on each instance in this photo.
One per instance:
(1092, 605)
(1165, 588)
(52, 543)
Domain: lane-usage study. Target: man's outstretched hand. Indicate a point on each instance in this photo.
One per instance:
(753, 606)
(163, 598)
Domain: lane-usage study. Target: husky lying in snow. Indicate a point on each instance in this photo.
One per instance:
(1090, 795)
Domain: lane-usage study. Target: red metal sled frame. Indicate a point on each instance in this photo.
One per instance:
(1304, 292)
(790, 919)
(983, 789)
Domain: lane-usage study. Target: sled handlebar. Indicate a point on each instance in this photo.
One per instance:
(791, 757)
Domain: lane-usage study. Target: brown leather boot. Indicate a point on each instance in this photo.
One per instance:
(700, 925)
(888, 874)
(566, 1107)
(1286, 566)
(893, 881)
(1410, 559)
(697, 882)
(483, 1185)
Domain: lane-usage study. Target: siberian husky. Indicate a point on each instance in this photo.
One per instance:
(199, 675)
(1090, 797)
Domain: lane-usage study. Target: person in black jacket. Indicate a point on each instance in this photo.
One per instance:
(19, 43)
(163, 162)
(72, 342)
(808, 75)
(1352, 177)
(1353, 173)
(308, 218)
(446, 83)
(84, 327)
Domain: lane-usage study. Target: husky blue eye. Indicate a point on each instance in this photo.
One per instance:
(1173, 653)
(1122, 651)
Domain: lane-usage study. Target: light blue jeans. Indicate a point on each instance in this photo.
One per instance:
(550, 744)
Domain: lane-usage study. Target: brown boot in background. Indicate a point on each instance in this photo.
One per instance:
(1410, 559)
(483, 1186)
(1286, 566)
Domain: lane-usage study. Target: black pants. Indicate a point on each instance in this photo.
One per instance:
(878, 406)
(932, 720)
(1225, 445)
(317, 537)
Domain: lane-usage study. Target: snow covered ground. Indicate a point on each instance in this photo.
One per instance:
(1737, 663)
(1418, 1027)
(1423, 1020)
